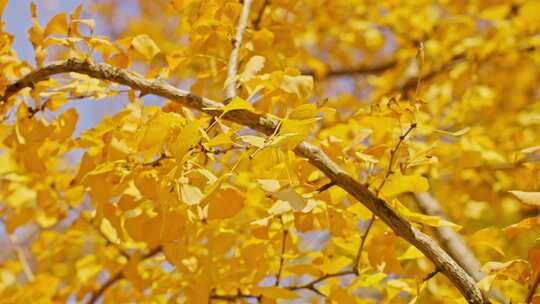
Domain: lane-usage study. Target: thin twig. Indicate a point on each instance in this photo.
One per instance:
(411, 82)
(27, 269)
(257, 21)
(453, 243)
(311, 285)
(233, 298)
(325, 187)
(267, 124)
(361, 70)
(362, 243)
(117, 277)
(393, 154)
(283, 249)
(110, 282)
(107, 240)
(94, 226)
(431, 274)
(230, 82)
(157, 162)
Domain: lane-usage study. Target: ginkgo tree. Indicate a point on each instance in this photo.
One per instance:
(300, 151)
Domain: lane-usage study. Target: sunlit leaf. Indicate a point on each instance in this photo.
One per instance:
(531, 198)
(145, 46)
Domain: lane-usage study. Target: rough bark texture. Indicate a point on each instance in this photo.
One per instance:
(454, 243)
(267, 124)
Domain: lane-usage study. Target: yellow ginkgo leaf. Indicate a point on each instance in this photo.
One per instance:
(186, 139)
(304, 111)
(302, 86)
(289, 195)
(253, 66)
(90, 23)
(225, 203)
(191, 195)
(145, 46)
(430, 220)
(65, 124)
(57, 25)
(253, 140)
(531, 198)
(294, 131)
(397, 184)
(237, 103)
(269, 185)
(410, 254)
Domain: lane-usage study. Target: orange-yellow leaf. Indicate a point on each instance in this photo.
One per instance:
(57, 25)
(225, 203)
(3, 4)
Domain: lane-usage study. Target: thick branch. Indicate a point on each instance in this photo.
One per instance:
(453, 243)
(230, 82)
(267, 124)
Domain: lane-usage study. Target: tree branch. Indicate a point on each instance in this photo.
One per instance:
(361, 70)
(311, 285)
(389, 172)
(27, 269)
(117, 277)
(233, 298)
(232, 70)
(362, 243)
(267, 125)
(282, 254)
(257, 22)
(453, 243)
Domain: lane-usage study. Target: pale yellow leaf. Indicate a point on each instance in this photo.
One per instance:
(145, 46)
(289, 195)
(302, 86)
(191, 195)
(269, 185)
(531, 198)
(252, 67)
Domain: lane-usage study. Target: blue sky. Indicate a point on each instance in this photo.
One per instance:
(17, 22)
